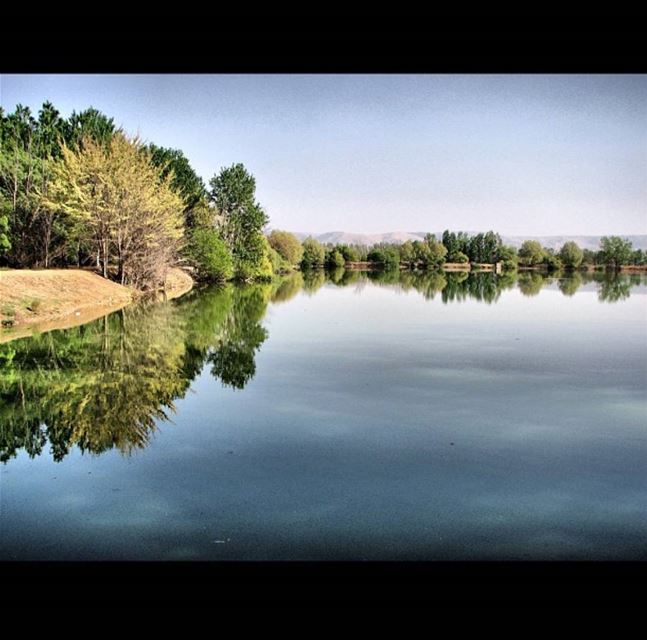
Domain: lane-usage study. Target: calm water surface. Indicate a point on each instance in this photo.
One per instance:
(343, 416)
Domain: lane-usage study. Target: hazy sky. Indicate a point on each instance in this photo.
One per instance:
(525, 154)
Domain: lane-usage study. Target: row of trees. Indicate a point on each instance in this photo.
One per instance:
(79, 191)
(456, 248)
(614, 251)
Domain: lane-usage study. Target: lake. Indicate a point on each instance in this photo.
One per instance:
(336, 416)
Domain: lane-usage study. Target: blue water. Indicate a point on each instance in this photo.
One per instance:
(382, 419)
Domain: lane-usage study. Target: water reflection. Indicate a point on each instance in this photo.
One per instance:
(486, 286)
(107, 384)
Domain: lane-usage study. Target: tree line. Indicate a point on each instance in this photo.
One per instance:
(80, 191)
(457, 248)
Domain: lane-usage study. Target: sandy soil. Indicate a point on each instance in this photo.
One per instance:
(42, 300)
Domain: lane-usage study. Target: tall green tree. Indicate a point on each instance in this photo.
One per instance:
(188, 184)
(314, 255)
(531, 252)
(89, 124)
(233, 191)
(571, 255)
(437, 251)
(616, 251)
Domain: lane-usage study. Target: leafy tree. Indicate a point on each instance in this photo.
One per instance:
(437, 251)
(571, 255)
(209, 255)
(616, 251)
(508, 255)
(335, 259)
(407, 253)
(287, 245)
(589, 257)
(639, 257)
(314, 254)
(233, 192)
(188, 184)
(90, 124)
(350, 253)
(531, 252)
(133, 215)
(552, 261)
(388, 256)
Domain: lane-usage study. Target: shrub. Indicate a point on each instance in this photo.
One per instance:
(209, 255)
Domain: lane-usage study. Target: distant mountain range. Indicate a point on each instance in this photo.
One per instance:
(551, 242)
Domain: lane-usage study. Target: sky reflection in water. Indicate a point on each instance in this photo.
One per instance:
(336, 416)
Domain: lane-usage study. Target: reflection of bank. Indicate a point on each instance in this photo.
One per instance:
(107, 384)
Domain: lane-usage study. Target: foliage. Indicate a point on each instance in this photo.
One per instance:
(209, 255)
(121, 202)
(552, 261)
(4, 233)
(615, 251)
(571, 255)
(287, 245)
(233, 192)
(335, 259)
(90, 124)
(386, 255)
(531, 253)
(314, 255)
(184, 180)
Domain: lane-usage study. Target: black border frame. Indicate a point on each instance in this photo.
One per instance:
(221, 43)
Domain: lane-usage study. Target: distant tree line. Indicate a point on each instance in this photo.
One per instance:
(462, 248)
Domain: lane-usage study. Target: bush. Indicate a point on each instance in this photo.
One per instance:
(459, 257)
(286, 245)
(314, 254)
(209, 255)
(335, 259)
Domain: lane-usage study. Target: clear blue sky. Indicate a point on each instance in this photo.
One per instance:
(529, 154)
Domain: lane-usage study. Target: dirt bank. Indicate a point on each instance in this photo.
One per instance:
(41, 300)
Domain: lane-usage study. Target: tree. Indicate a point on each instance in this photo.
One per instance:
(89, 124)
(233, 192)
(287, 245)
(639, 257)
(188, 184)
(314, 254)
(387, 255)
(437, 251)
(335, 259)
(531, 252)
(616, 251)
(132, 214)
(508, 255)
(406, 252)
(571, 255)
(209, 255)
